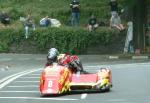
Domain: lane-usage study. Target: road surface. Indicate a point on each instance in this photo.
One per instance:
(20, 75)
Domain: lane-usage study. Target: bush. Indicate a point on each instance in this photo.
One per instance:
(66, 39)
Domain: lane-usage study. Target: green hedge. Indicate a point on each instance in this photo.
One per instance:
(66, 39)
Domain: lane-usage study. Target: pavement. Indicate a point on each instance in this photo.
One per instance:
(14, 61)
(120, 56)
(12, 56)
(130, 56)
(10, 61)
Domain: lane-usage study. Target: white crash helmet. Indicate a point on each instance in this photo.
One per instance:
(53, 53)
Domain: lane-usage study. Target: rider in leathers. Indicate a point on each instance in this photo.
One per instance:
(71, 61)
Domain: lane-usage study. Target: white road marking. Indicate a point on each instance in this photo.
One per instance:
(83, 96)
(117, 100)
(109, 66)
(8, 77)
(4, 79)
(36, 98)
(5, 59)
(16, 76)
(35, 74)
(113, 57)
(29, 77)
(40, 59)
(115, 66)
(139, 57)
(24, 86)
(27, 81)
(19, 91)
(24, 59)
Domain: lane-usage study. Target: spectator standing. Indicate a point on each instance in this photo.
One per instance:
(5, 18)
(92, 23)
(129, 39)
(75, 15)
(114, 7)
(29, 22)
(46, 21)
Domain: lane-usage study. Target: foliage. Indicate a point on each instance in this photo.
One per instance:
(67, 39)
(58, 9)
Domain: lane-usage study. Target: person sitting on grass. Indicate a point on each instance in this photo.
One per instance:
(115, 21)
(92, 23)
(5, 18)
(46, 21)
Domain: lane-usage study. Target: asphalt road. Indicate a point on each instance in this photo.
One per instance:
(19, 80)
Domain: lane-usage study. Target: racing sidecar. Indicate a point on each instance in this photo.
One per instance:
(57, 79)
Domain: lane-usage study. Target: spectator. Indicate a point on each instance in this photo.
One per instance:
(75, 6)
(114, 7)
(29, 22)
(55, 23)
(129, 39)
(115, 21)
(101, 23)
(5, 18)
(92, 23)
(46, 21)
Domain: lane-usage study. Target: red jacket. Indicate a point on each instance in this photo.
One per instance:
(65, 59)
